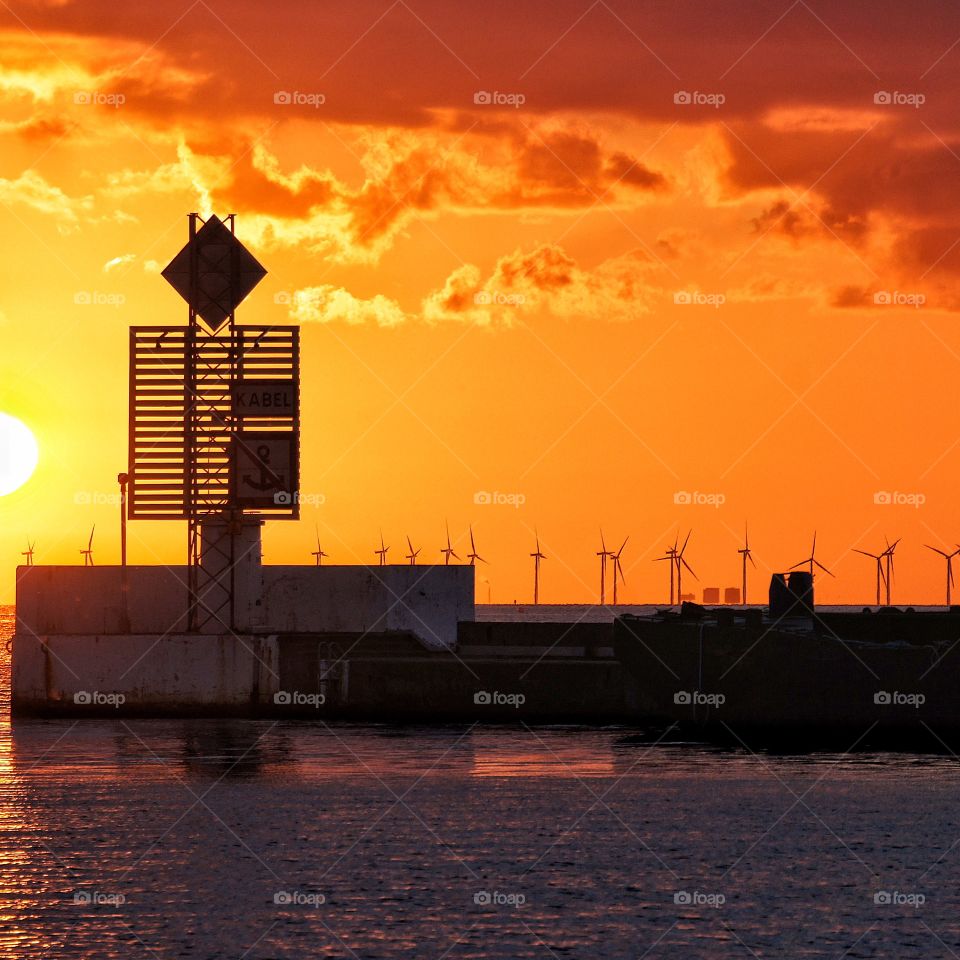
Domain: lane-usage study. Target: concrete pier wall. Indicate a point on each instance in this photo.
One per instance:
(143, 675)
(428, 601)
(90, 600)
(513, 675)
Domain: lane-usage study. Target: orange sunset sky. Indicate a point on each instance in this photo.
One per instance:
(686, 248)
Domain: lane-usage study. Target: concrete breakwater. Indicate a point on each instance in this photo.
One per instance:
(393, 643)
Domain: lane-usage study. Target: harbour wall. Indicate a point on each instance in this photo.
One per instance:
(428, 601)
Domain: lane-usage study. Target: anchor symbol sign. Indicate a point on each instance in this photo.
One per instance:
(264, 471)
(268, 479)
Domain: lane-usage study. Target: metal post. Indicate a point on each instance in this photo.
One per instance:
(122, 479)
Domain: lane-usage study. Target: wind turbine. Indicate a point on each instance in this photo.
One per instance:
(318, 553)
(382, 552)
(473, 556)
(88, 553)
(448, 551)
(537, 557)
(413, 554)
(671, 555)
(602, 553)
(878, 557)
(888, 553)
(744, 551)
(28, 553)
(812, 559)
(949, 558)
(617, 569)
(681, 563)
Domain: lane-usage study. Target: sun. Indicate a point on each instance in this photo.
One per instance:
(18, 454)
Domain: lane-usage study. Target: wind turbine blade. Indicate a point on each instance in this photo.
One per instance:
(823, 568)
(687, 565)
(813, 552)
(622, 545)
(935, 550)
(603, 543)
(685, 542)
(750, 556)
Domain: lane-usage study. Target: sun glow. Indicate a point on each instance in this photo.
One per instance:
(18, 454)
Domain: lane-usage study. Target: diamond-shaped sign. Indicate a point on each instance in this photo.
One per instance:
(226, 271)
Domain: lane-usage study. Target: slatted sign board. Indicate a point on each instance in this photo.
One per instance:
(237, 445)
